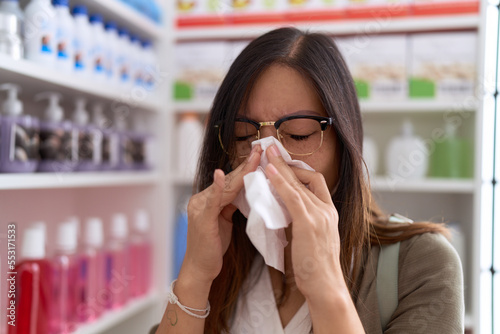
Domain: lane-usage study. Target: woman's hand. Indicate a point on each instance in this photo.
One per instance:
(315, 239)
(210, 221)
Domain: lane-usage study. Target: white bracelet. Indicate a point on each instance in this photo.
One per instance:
(172, 298)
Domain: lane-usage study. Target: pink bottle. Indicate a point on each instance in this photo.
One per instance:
(65, 264)
(93, 295)
(31, 300)
(140, 255)
(118, 278)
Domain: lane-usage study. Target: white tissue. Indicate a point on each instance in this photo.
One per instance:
(267, 215)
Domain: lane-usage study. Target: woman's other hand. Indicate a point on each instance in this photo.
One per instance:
(210, 221)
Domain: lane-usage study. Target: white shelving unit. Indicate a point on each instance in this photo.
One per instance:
(52, 197)
(435, 199)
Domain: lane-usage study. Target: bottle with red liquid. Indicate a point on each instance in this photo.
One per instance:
(118, 278)
(65, 267)
(33, 286)
(93, 296)
(140, 255)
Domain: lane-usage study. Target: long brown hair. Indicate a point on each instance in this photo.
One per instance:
(361, 222)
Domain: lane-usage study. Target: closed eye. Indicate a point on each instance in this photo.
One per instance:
(245, 138)
(299, 138)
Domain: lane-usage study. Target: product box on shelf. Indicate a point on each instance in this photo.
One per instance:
(376, 8)
(311, 10)
(199, 70)
(258, 11)
(378, 66)
(442, 65)
(442, 7)
(202, 12)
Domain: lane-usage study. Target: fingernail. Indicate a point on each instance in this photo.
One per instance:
(272, 170)
(274, 150)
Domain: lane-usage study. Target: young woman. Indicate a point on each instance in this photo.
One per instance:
(284, 82)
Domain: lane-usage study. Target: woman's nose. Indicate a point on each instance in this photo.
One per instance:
(267, 131)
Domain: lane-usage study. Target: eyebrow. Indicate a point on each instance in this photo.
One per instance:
(298, 112)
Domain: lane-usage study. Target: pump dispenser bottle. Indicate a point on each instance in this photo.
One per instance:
(18, 135)
(11, 27)
(125, 160)
(108, 139)
(92, 272)
(56, 142)
(86, 138)
(65, 266)
(33, 284)
(117, 262)
(40, 33)
(140, 255)
(141, 144)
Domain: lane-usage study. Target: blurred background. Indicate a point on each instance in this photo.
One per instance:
(102, 112)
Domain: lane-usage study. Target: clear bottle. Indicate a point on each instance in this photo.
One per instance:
(110, 146)
(19, 135)
(11, 29)
(140, 255)
(32, 284)
(65, 289)
(142, 144)
(87, 138)
(93, 294)
(111, 35)
(56, 140)
(40, 33)
(97, 53)
(118, 276)
(82, 41)
(126, 147)
(65, 30)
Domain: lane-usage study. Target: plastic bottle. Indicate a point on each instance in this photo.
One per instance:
(97, 53)
(40, 33)
(407, 155)
(110, 146)
(150, 70)
(190, 137)
(33, 284)
(141, 142)
(370, 155)
(111, 35)
(126, 150)
(93, 296)
(65, 30)
(118, 276)
(65, 288)
(19, 137)
(87, 138)
(82, 41)
(11, 29)
(57, 149)
(136, 60)
(180, 236)
(123, 58)
(140, 255)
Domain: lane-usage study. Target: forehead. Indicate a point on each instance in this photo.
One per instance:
(281, 91)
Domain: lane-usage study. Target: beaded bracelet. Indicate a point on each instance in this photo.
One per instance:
(172, 298)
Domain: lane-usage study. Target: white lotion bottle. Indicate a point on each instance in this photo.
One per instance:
(407, 155)
(82, 41)
(65, 27)
(370, 155)
(40, 33)
(190, 138)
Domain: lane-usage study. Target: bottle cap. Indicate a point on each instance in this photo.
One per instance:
(450, 129)
(80, 115)
(54, 112)
(111, 26)
(141, 221)
(34, 242)
(147, 44)
(67, 237)
(123, 32)
(407, 129)
(80, 10)
(119, 228)
(64, 3)
(94, 235)
(189, 116)
(96, 18)
(12, 106)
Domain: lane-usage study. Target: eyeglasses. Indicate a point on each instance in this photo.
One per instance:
(300, 135)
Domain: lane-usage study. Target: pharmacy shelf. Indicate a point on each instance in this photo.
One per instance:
(445, 186)
(338, 27)
(113, 318)
(76, 180)
(34, 78)
(125, 16)
(411, 106)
